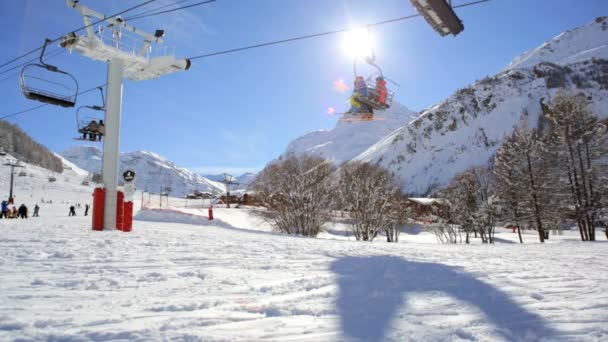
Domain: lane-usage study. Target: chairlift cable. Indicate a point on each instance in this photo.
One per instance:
(241, 48)
(159, 8)
(326, 33)
(170, 10)
(46, 104)
(79, 29)
(48, 56)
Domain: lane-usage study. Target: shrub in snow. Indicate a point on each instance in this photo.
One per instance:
(297, 190)
(373, 199)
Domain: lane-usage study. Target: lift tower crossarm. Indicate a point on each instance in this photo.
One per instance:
(87, 13)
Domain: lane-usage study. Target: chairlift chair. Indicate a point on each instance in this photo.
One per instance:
(86, 114)
(440, 15)
(373, 98)
(47, 83)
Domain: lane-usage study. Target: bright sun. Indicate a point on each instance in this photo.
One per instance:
(358, 43)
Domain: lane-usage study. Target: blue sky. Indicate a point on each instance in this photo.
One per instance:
(235, 112)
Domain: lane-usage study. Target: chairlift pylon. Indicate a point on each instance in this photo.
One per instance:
(90, 122)
(47, 83)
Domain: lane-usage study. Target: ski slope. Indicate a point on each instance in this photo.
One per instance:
(180, 277)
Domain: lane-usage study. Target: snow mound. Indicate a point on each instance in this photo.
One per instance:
(178, 216)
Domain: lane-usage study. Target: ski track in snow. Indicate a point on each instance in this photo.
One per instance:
(175, 281)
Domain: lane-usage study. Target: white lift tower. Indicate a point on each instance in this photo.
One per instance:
(128, 58)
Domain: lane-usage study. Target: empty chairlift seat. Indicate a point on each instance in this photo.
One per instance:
(46, 83)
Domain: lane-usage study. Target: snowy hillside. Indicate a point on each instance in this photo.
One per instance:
(152, 170)
(349, 139)
(467, 128)
(68, 165)
(244, 180)
(180, 277)
(31, 183)
(572, 46)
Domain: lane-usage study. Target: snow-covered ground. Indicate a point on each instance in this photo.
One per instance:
(232, 279)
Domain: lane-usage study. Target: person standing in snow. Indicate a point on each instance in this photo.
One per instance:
(72, 211)
(36, 208)
(22, 211)
(86, 209)
(14, 212)
(4, 209)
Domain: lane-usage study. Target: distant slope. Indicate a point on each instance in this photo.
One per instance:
(152, 170)
(31, 183)
(348, 139)
(21, 146)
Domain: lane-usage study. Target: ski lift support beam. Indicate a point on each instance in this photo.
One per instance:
(440, 15)
(137, 66)
(122, 63)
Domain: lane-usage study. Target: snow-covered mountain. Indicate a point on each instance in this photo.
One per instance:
(243, 180)
(349, 139)
(575, 45)
(467, 128)
(152, 170)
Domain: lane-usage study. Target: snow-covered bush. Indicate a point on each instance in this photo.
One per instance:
(373, 198)
(298, 191)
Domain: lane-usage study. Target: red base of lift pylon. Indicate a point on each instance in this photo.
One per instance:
(124, 211)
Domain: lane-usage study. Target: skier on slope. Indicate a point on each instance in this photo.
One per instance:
(4, 209)
(22, 212)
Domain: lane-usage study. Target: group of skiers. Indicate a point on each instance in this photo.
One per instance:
(11, 211)
(377, 95)
(73, 209)
(95, 130)
(14, 212)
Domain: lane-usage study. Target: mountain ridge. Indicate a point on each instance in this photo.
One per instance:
(153, 171)
(467, 128)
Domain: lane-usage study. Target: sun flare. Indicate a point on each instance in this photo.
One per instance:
(358, 43)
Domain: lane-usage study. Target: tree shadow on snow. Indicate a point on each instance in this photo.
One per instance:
(372, 289)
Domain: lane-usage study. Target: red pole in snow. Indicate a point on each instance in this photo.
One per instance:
(211, 213)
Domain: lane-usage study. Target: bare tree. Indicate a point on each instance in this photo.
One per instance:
(580, 143)
(399, 214)
(507, 187)
(472, 204)
(527, 181)
(297, 191)
(369, 193)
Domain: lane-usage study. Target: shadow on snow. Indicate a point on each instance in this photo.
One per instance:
(372, 289)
